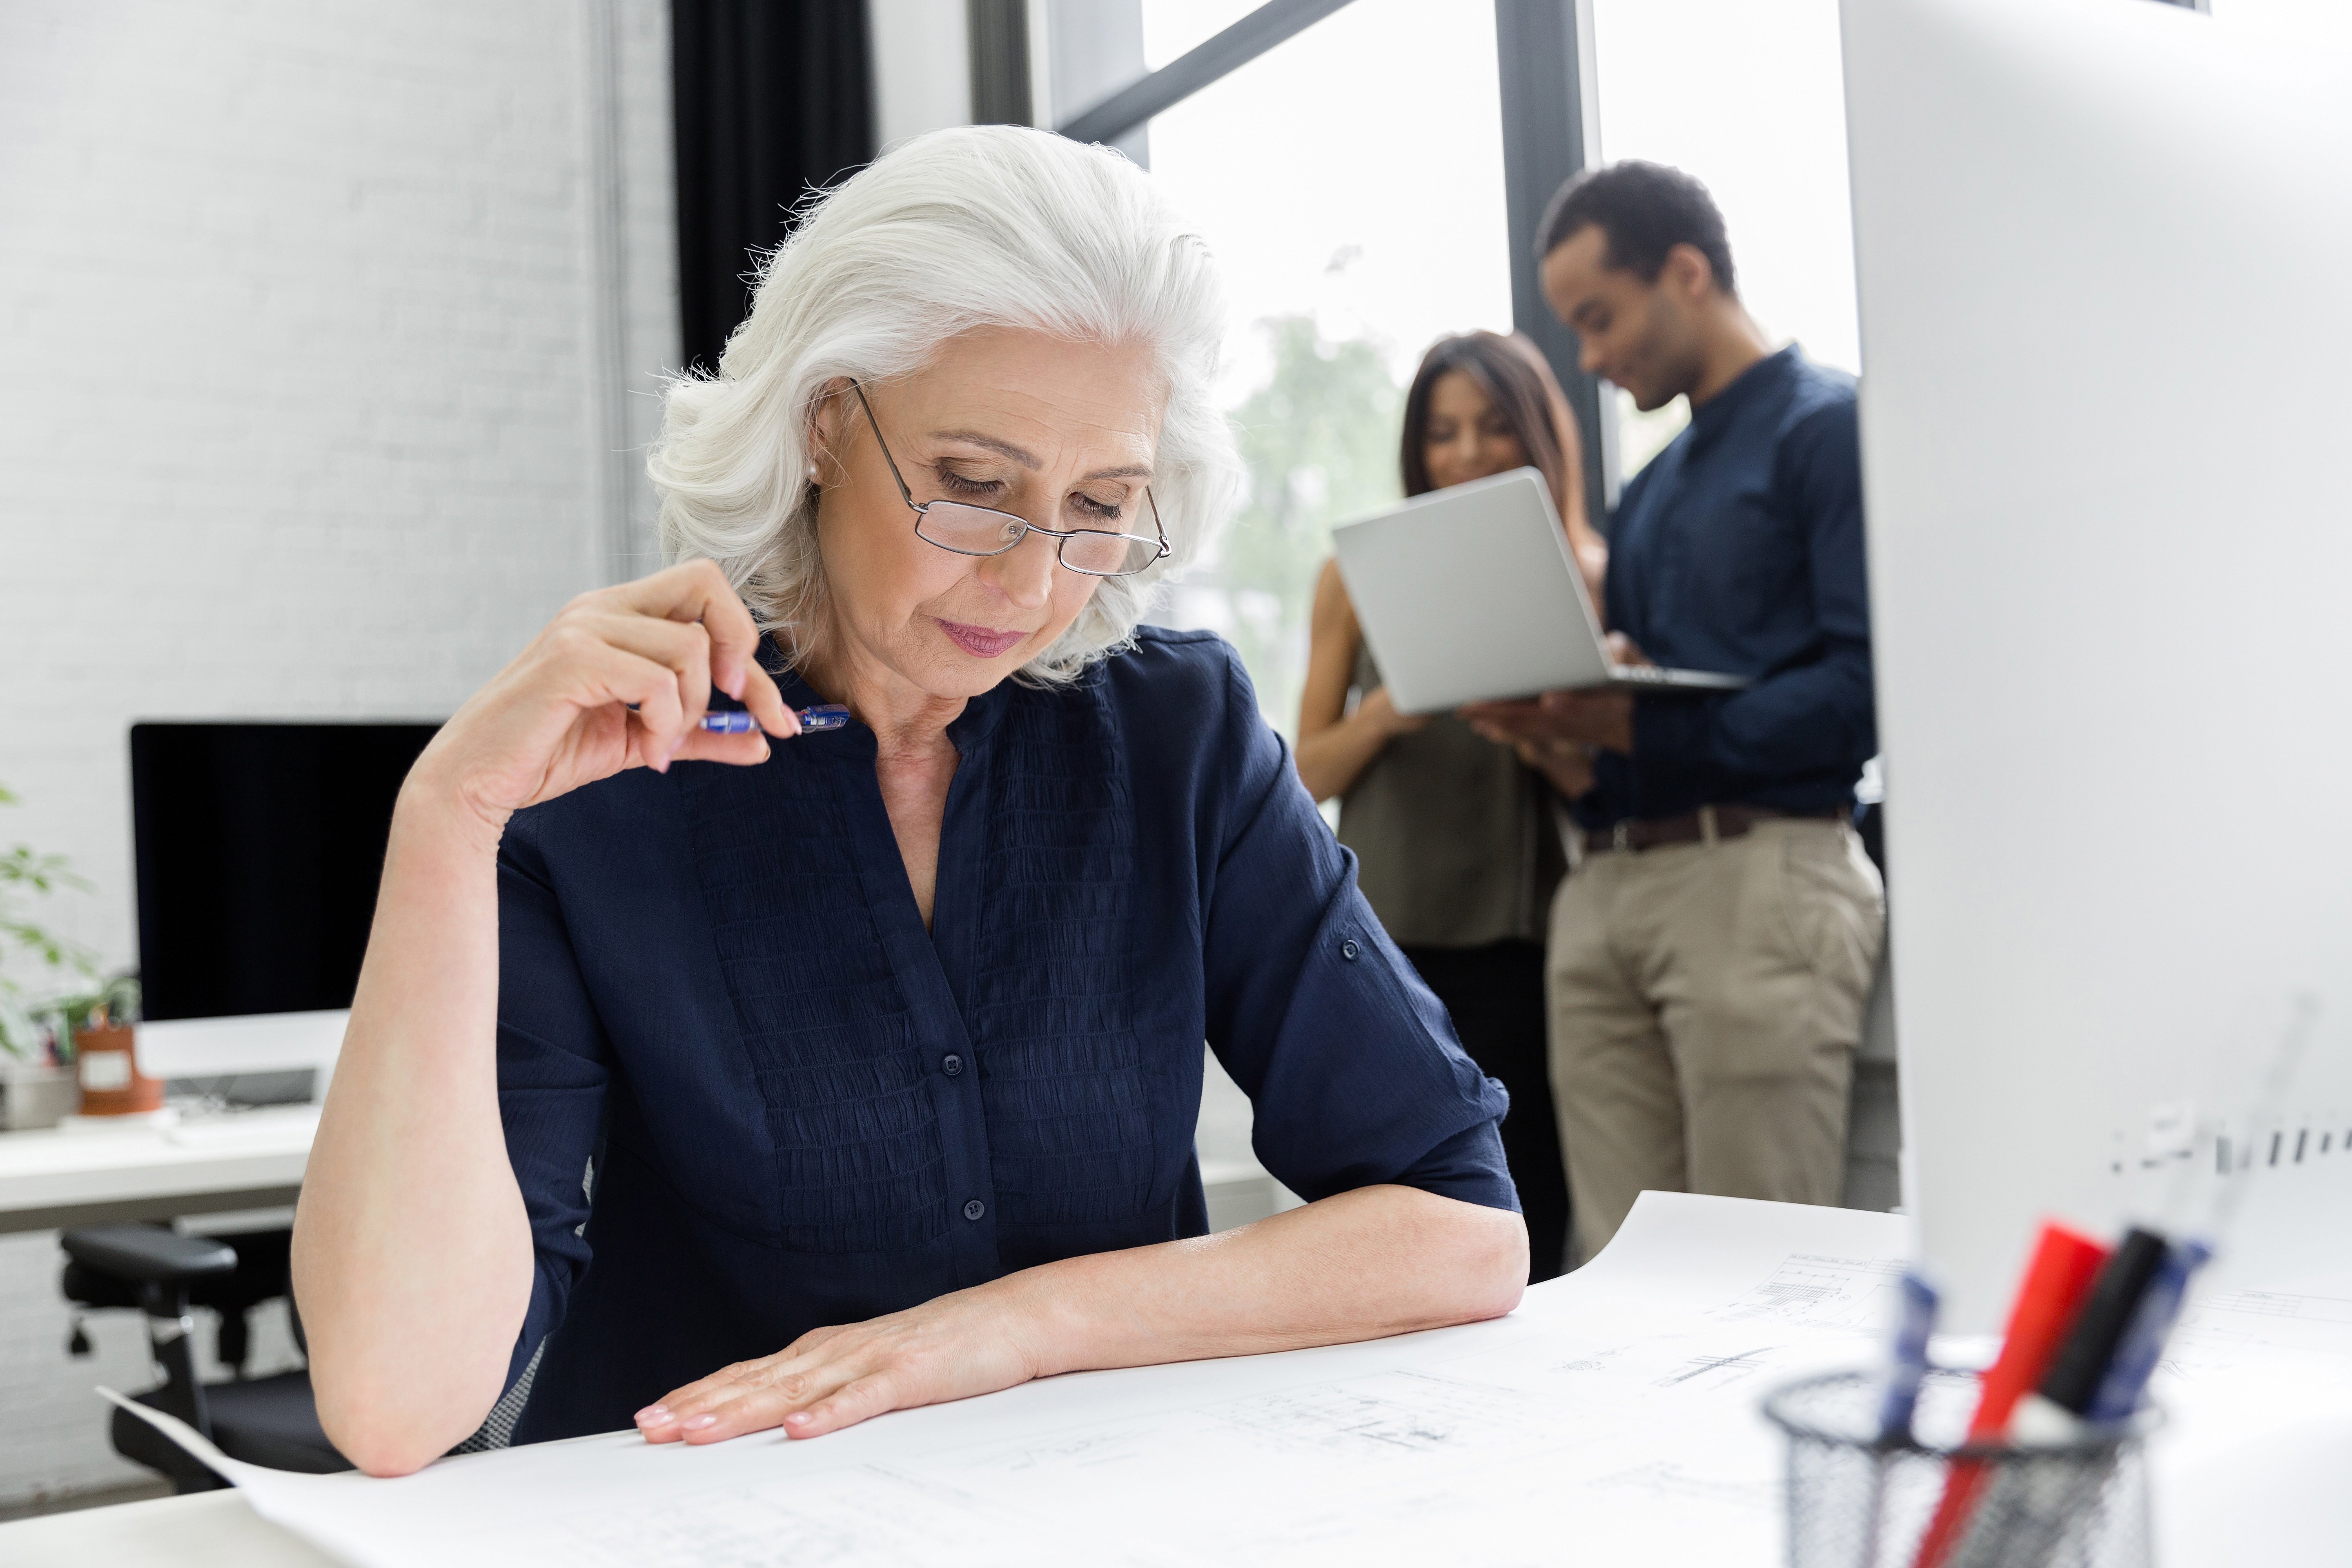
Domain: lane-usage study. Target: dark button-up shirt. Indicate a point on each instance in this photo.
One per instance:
(1739, 549)
(807, 1109)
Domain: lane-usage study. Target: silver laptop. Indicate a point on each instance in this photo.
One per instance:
(1469, 594)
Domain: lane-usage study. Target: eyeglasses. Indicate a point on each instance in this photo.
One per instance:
(979, 530)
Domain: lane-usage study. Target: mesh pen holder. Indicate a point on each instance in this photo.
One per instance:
(1856, 1503)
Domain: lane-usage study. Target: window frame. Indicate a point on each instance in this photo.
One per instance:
(1552, 129)
(1544, 67)
(1205, 64)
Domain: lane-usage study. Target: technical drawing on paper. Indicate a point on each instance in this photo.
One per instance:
(1387, 1417)
(2254, 1326)
(1851, 1293)
(2271, 1304)
(1716, 1370)
(1625, 1402)
(1668, 1478)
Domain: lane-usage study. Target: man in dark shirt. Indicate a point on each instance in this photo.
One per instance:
(1711, 955)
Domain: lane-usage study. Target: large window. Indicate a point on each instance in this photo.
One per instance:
(1353, 182)
(1350, 182)
(1750, 98)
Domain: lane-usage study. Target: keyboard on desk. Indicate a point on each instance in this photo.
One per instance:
(271, 1125)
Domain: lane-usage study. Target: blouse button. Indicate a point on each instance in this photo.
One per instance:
(951, 1064)
(1349, 950)
(974, 1209)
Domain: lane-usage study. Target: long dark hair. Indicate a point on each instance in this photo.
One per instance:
(1511, 372)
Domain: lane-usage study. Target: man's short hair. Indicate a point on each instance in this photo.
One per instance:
(1642, 211)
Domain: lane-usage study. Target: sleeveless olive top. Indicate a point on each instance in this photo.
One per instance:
(1453, 835)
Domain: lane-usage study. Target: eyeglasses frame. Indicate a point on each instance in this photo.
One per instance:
(1060, 536)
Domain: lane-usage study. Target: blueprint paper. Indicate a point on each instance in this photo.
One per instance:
(1615, 1411)
(1614, 1414)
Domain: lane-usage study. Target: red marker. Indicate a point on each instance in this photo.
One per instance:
(2056, 1281)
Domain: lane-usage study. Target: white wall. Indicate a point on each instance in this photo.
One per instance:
(318, 320)
(301, 408)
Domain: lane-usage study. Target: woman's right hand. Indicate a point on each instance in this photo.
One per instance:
(1379, 710)
(620, 679)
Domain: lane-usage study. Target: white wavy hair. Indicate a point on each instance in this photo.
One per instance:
(960, 230)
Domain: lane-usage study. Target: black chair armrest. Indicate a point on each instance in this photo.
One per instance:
(147, 1254)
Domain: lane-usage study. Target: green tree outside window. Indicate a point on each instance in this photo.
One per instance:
(1320, 441)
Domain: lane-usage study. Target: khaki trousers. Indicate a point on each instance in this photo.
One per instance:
(1705, 1000)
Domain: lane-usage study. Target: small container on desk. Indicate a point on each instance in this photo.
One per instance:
(1857, 1501)
(35, 1094)
(106, 1060)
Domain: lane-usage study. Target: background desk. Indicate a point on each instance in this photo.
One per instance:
(255, 1159)
(250, 1160)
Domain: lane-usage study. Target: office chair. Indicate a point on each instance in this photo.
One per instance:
(268, 1421)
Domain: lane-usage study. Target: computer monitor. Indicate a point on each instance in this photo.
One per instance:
(258, 847)
(2106, 333)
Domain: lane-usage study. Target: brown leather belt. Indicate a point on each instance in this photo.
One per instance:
(1639, 833)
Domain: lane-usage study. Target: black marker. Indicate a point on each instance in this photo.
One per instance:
(2057, 1411)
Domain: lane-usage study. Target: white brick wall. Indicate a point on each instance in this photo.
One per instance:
(300, 382)
(52, 1427)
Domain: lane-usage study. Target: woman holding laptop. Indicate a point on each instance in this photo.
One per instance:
(1453, 832)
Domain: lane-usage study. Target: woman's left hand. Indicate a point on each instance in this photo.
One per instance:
(972, 1342)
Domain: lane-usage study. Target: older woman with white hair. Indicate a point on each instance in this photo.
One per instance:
(863, 1063)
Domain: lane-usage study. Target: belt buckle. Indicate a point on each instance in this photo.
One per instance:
(1620, 834)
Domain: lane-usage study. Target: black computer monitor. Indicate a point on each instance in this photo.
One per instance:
(258, 850)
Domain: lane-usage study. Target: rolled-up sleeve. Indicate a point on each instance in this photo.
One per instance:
(1348, 1060)
(553, 1074)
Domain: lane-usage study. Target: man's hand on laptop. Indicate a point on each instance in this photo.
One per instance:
(1589, 718)
(1624, 650)
(1583, 718)
(1567, 763)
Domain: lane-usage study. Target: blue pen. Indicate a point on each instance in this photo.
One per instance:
(2134, 1362)
(737, 721)
(1909, 1365)
(1907, 1369)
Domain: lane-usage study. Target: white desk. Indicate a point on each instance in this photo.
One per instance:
(249, 1160)
(207, 1530)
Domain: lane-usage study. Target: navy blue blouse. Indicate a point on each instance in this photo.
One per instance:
(804, 1109)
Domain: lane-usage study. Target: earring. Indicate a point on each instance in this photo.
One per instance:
(811, 473)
